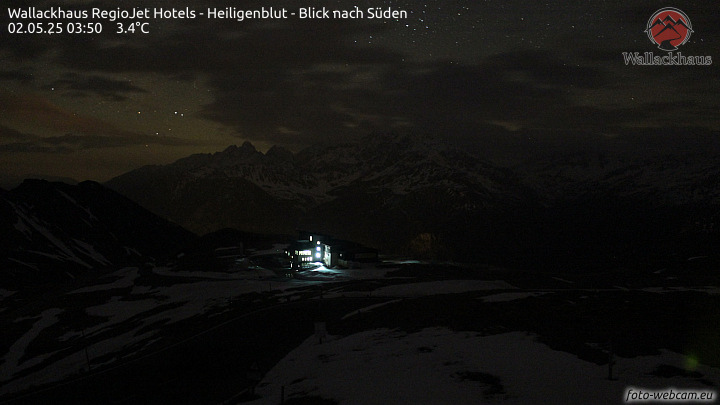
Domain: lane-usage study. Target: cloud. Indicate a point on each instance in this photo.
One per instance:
(298, 82)
(30, 108)
(9, 134)
(79, 132)
(189, 46)
(99, 85)
(16, 75)
(263, 75)
(31, 147)
(526, 89)
(27, 143)
(113, 141)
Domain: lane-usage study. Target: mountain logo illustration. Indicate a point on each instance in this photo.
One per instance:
(669, 28)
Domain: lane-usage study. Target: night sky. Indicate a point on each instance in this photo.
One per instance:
(95, 106)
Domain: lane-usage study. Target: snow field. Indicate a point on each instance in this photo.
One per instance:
(440, 366)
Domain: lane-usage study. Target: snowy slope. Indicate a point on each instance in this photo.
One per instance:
(56, 231)
(441, 366)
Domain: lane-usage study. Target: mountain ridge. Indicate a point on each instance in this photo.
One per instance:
(388, 191)
(57, 231)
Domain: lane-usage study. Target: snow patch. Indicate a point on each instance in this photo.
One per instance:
(278, 248)
(90, 251)
(12, 364)
(322, 273)
(712, 290)
(5, 293)
(52, 238)
(369, 308)
(250, 274)
(32, 266)
(118, 310)
(126, 280)
(21, 227)
(503, 297)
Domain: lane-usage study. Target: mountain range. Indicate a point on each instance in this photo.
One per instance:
(427, 197)
(651, 200)
(382, 191)
(668, 23)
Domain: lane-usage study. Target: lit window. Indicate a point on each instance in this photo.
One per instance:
(318, 242)
(310, 238)
(317, 248)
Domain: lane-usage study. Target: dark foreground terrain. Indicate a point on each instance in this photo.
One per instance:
(169, 336)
